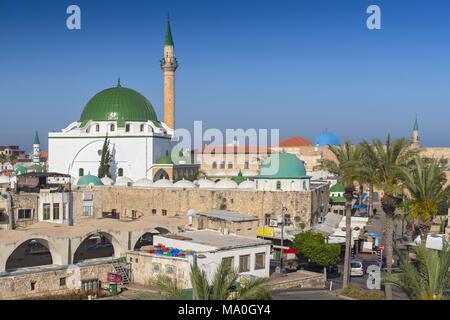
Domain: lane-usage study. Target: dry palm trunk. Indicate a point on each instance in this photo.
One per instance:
(424, 227)
(370, 213)
(348, 237)
(389, 205)
(409, 230)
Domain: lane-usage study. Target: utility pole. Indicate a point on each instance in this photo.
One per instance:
(283, 209)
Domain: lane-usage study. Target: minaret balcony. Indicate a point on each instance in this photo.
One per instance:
(171, 64)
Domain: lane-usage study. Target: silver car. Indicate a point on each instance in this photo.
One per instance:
(356, 268)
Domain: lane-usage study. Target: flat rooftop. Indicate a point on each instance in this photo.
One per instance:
(217, 239)
(227, 215)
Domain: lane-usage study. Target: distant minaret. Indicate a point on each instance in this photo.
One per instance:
(36, 149)
(415, 135)
(168, 65)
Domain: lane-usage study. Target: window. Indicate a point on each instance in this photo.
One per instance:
(136, 260)
(56, 211)
(131, 259)
(278, 185)
(62, 282)
(33, 285)
(260, 260)
(24, 214)
(127, 127)
(120, 172)
(244, 263)
(229, 261)
(222, 165)
(153, 211)
(267, 219)
(64, 211)
(246, 165)
(142, 128)
(214, 165)
(170, 269)
(46, 215)
(87, 210)
(156, 267)
(80, 172)
(112, 127)
(230, 165)
(164, 212)
(97, 127)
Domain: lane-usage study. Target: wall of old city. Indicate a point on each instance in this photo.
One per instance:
(304, 207)
(50, 282)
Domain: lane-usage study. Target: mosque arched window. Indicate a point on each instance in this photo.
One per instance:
(112, 127)
(80, 172)
(142, 128)
(120, 172)
(278, 185)
(214, 165)
(97, 127)
(127, 127)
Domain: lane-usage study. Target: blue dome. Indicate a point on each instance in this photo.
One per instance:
(325, 139)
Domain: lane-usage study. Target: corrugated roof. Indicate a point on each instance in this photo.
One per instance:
(227, 215)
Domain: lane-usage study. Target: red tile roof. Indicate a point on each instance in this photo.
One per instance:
(295, 141)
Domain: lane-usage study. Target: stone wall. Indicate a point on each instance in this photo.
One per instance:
(243, 228)
(24, 200)
(49, 282)
(303, 206)
(300, 279)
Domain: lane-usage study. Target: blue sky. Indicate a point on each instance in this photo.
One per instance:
(300, 66)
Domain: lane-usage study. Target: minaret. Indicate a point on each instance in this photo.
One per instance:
(36, 149)
(415, 135)
(168, 65)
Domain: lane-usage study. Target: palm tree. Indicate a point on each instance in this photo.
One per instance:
(12, 159)
(427, 277)
(224, 285)
(346, 155)
(388, 160)
(426, 191)
(3, 159)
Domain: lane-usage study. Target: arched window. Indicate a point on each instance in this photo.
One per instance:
(97, 127)
(304, 184)
(278, 185)
(120, 172)
(112, 127)
(142, 128)
(214, 165)
(80, 172)
(127, 127)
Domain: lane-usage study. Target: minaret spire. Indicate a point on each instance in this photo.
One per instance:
(415, 134)
(36, 149)
(169, 65)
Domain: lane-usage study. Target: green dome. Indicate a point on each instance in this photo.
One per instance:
(338, 187)
(89, 180)
(283, 166)
(118, 104)
(21, 170)
(164, 160)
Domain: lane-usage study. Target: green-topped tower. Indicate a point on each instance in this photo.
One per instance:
(36, 149)
(415, 134)
(169, 65)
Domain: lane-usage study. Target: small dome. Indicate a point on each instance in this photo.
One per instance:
(282, 166)
(124, 181)
(89, 180)
(183, 184)
(35, 168)
(143, 183)
(206, 184)
(325, 139)
(338, 187)
(162, 183)
(107, 181)
(247, 184)
(226, 184)
(20, 170)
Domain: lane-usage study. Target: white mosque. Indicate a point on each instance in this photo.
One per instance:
(140, 144)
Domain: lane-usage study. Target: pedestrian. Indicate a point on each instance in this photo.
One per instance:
(374, 211)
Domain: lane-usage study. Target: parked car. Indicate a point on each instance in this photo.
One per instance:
(356, 268)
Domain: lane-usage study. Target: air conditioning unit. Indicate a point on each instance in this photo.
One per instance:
(273, 223)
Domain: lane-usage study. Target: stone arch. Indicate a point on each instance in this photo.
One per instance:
(57, 254)
(160, 174)
(117, 248)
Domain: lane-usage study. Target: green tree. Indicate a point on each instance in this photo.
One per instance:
(224, 286)
(105, 160)
(3, 159)
(388, 160)
(427, 277)
(346, 155)
(426, 192)
(12, 159)
(313, 246)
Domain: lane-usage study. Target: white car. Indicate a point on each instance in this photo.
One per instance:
(356, 268)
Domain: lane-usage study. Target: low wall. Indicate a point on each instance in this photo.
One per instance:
(300, 279)
(49, 281)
